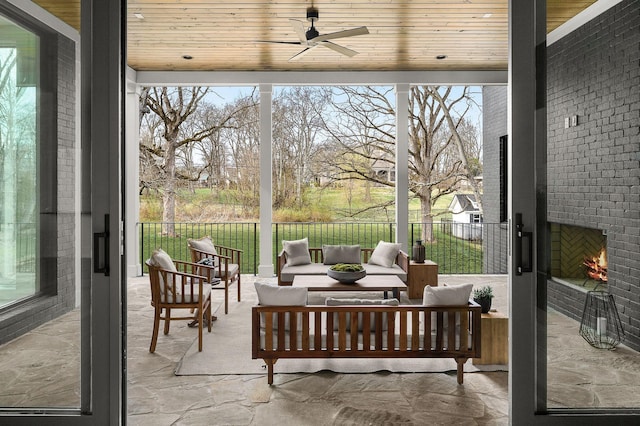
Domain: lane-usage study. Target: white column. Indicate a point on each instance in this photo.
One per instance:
(402, 165)
(265, 269)
(132, 176)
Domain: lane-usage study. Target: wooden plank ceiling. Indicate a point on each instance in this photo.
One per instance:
(403, 35)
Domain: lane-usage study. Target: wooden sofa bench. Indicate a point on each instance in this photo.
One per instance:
(318, 331)
(286, 273)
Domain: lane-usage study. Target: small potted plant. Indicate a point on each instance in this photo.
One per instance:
(482, 296)
(347, 273)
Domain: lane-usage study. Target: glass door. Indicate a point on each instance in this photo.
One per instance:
(573, 181)
(60, 318)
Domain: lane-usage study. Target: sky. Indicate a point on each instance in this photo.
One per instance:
(223, 95)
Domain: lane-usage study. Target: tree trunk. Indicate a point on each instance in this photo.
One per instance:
(169, 193)
(426, 218)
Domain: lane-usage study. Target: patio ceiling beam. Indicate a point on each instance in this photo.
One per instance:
(293, 78)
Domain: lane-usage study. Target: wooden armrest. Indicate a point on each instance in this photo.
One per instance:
(218, 247)
(403, 261)
(202, 254)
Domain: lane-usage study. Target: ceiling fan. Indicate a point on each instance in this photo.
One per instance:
(311, 38)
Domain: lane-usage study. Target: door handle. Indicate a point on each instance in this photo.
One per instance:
(523, 249)
(104, 237)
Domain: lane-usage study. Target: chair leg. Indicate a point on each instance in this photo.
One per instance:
(209, 316)
(238, 286)
(270, 363)
(200, 332)
(154, 334)
(167, 320)
(226, 297)
(460, 371)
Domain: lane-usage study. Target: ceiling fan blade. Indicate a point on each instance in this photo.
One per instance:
(339, 49)
(278, 42)
(298, 26)
(303, 53)
(339, 34)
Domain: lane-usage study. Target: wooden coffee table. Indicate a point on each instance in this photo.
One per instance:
(383, 283)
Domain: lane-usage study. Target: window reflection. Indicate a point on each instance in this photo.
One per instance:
(18, 163)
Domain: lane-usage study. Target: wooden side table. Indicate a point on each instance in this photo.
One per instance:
(421, 275)
(494, 339)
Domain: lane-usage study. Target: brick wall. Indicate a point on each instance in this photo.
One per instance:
(494, 125)
(594, 167)
(57, 263)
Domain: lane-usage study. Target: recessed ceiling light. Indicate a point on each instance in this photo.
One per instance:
(487, 15)
(440, 57)
(187, 57)
(139, 15)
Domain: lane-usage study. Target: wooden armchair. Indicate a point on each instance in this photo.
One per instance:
(172, 287)
(225, 263)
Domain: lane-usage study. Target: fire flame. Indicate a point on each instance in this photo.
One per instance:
(602, 260)
(597, 267)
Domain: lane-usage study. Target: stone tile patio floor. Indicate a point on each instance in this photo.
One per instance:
(155, 396)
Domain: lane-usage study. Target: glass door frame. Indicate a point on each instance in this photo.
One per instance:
(528, 272)
(103, 336)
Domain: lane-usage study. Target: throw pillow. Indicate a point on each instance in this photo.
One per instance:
(274, 295)
(330, 301)
(204, 244)
(340, 254)
(447, 296)
(297, 252)
(160, 259)
(385, 254)
(455, 295)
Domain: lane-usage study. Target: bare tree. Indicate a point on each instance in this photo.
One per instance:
(368, 132)
(297, 135)
(457, 137)
(362, 145)
(243, 144)
(174, 106)
(17, 142)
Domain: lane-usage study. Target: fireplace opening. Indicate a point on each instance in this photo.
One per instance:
(579, 256)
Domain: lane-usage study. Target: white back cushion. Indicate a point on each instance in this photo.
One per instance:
(297, 252)
(203, 244)
(385, 254)
(448, 296)
(455, 295)
(274, 295)
(340, 254)
(160, 259)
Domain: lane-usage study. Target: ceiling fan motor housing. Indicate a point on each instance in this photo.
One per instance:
(312, 33)
(312, 14)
